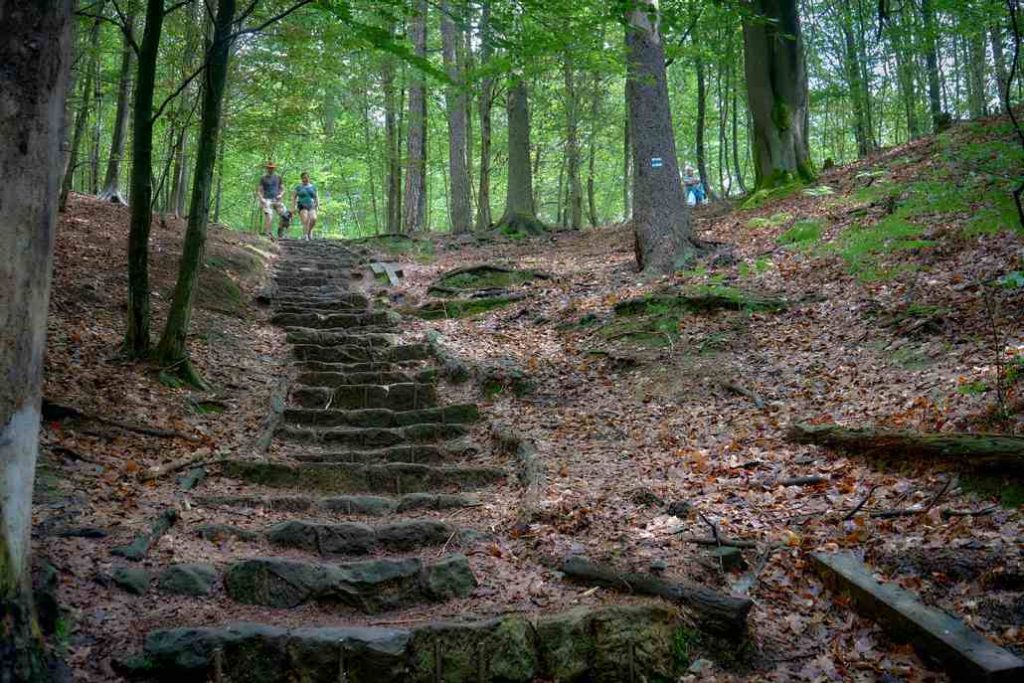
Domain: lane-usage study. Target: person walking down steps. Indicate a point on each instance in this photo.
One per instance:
(269, 192)
(306, 202)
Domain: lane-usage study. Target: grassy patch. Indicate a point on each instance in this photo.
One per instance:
(803, 233)
(772, 221)
(862, 246)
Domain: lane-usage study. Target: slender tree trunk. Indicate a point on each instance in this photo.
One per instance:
(856, 86)
(460, 210)
(97, 126)
(76, 141)
(35, 53)
(176, 202)
(735, 128)
(702, 107)
(392, 142)
(416, 142)
(627, 160)
(574, 209)
(777, 94)
(112, 180)
(905, 75)
(595, 108)
(661, 216)
(976, 73)
(538, 150)
(722, 114)
(999, 61)
(520, 213)
(484, 105)
(172, 351)
(141, 187)
(939, 118)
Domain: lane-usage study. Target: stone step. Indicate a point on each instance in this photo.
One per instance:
(355, 354)
(339, 379)
(355, 538)
(369, 586)
(608, 643)
(371, 506)
(460, 413)
(343, 301)
(426, 454)
(340, 337)
(366, 366)
(324, 277)
(321, 321)
(372, 437)
(392, 478)
(409, 396)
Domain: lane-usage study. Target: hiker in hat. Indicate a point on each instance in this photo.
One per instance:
(306, 202)
(693, 186)
(269, 192)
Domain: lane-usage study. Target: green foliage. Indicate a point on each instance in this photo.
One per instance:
(803, 233)
(973, 388)
(770, 222)
(861, 246)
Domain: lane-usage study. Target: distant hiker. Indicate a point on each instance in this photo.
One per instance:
(693, 186)
(269, 192)
(305, 200)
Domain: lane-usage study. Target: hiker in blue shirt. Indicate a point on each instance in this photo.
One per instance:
(693, 185)
(269, 191)
(306, 202)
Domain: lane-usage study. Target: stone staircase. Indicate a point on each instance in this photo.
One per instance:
(370, 461)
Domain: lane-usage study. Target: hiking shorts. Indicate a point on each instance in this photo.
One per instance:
(272, 206)
(309, 214)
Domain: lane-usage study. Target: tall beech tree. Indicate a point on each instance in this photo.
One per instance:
(414, 209)
(460, 207)
(35, 51)
(112, 178)
(661, 218)
(777, 93)
(520, 214)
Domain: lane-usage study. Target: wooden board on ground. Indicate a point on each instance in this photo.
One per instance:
(965, 654)
(393, 271)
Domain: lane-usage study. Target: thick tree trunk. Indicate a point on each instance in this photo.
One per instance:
(141, 187)
(392, 142)
(112, 180)
(661, 217)
(35, 51)
(415, 202)
(777, 94)
(460, 210)
(939, 119)
(574, 209)
(172, 352)
(702, 108)
(520, 213)
(484, 105)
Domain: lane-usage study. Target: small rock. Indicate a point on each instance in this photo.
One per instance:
(132, 579)
(645, 497)
(700, 666)
(679, 508)
(188, 579)
(658, 566)
(730, 558)
(82, 532)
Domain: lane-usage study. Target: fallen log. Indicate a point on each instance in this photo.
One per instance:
(992, 450)
(965, 654)
(56, 412)
(723, 615)
(140, 545)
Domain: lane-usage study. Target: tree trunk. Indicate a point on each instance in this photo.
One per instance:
(460, 210)
(977, 92)
(392, 142)
(176, 202)
(702, 108)
(898, 37)
(141, 187)
(416, 143)
(627, 160)
(777, 94)
(999, 61)
(112, 181)
(484, 104)
(939, 119)
(661, 216)
(81, 118)
(97, 125)
(172, 352)
(857, 87)
(735, 132)
(574, 208)
(36, 54)
(595, 107)
(520, 214)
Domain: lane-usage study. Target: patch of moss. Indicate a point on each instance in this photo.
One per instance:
(486, 279)
(803, 233)
(217, 291)
(458, 308)
(772, 221)
(772, 191)
(862, 246)
(1008, 491)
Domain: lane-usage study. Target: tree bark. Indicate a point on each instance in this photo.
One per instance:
(172, 352)
(574, 207)
(82, 117)
(702, 108)
(415, 202)
(112, 179)
(460, 210)
(35, 50)
(999, 61)
(777, 94)
(735, 132)
(627, 160)
(97, 125)
(520, 213)
(939, 118)
(176, 202)
(595, 108)
(141, 187)
(661, 217)
(392, 141)
(857, 87)
(484, 106)
(977, 95)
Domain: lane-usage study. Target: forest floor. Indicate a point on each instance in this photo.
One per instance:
(902, 310)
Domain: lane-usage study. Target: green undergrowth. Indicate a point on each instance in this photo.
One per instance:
(485, 278)
(772, 221)
(804, 232)
(458, 308)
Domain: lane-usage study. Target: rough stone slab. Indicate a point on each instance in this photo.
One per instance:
(339, 337)
(354, 538)
(462, 413)
(357, 354)
(396, 478)
(606, 645)
(370, 586)
(426, 454)
(188, 579)
(319, 321)
(373, 506)
(137, 549)
(410, 396)
(338, 379)
(373, 437)
(963, 652)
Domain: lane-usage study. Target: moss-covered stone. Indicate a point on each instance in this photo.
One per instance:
(495, 650)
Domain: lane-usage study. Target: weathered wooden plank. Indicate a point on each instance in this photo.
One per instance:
(964, 653)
